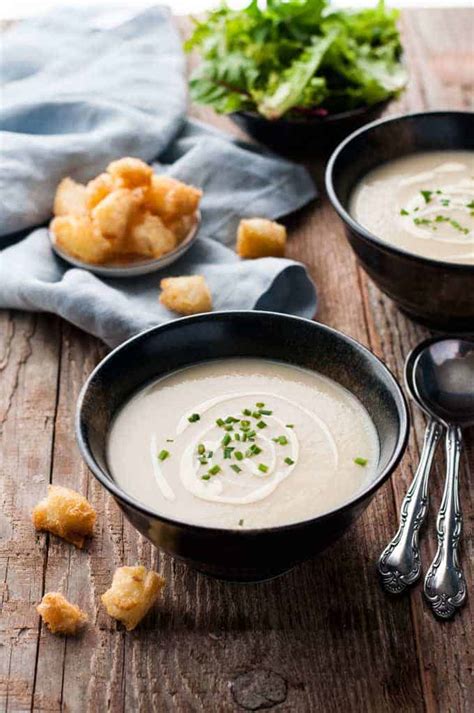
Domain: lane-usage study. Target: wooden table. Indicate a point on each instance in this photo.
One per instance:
(323, 637)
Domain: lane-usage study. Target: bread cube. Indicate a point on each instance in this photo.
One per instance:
(258, 237)
(182, 226)
(59, 615)
(130, 172)
(66, 514)
(186, 295)
(79, 237)
(133, 592)
(150, 237)
(70, 198)
(113, 214)
(98, 189)
(170, 199)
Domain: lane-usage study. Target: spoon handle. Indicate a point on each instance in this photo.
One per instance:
(445, 586)
(399, 564)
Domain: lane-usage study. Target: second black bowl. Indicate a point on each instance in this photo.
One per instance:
(436, 293)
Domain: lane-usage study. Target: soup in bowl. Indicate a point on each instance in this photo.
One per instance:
(242, 442)
(404, 189)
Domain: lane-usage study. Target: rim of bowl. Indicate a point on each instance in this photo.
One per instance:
(120, 494)
(357, 227)
(138, 267)
(358, 111)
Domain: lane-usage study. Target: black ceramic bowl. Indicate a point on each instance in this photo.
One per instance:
(312, 133)
(435, 293)
(240, 554)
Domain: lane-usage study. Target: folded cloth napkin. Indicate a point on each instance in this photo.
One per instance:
(81, 91)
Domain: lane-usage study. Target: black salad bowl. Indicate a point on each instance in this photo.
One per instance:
(313, 134)
(438, 294)
(245, 554)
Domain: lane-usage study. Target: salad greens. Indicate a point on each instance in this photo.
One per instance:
(296, 57)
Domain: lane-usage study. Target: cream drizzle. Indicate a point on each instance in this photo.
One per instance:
(212, 490)
(161, 481)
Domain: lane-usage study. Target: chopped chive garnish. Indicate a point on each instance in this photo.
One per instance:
(210, 454)
(241, 522)
(421, 221)
(227, 439)
(201, 449)
(214, 470)
(169, 440)
(247, 412)
(228, 452)
(203, 461)
(254, 450)
(265, 412)
(263, 467)
(220, 422)
(458, 226)
(205, 477)
(260, 404)
(427, 195)
(237, 437)
(290, 425)
(404, 212)
(289, 461)
(239, 455)
(470, 204)
(163, 455)
(256, 414)
(228, 427)
(282, 440)
(361, 461)
(194, 417)
(446, 202)
(236, 468)
(261, 424)
(231, 419)
(244, 425)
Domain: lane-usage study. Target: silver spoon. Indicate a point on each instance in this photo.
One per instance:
(399, 564)
(443, 377)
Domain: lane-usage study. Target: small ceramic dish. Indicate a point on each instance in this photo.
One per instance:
(137, 267)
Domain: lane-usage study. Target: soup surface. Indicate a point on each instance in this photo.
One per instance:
(243, 443)
(423, 203)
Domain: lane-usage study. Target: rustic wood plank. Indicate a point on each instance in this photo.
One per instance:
(29, 353)
(329, 637)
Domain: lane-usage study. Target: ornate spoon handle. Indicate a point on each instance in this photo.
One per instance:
(399, 564)
(445, 586)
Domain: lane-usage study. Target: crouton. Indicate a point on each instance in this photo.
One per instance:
(130, 172)
(59, 615)
(258, 237)
(66, 514)
(182, 226)
(98, 189)
(70, 198)
(133, 592)
(186, 295)
(78, 236)
(113, 214)
(171, 199)
(150, 237)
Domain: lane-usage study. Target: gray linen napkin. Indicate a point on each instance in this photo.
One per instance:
(78, 96)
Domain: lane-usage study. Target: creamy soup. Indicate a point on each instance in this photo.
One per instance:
(243, 443)
(423, 203)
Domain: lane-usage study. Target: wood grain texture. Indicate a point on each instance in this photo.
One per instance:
(323, 637)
